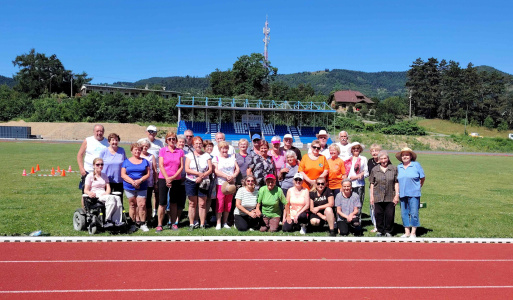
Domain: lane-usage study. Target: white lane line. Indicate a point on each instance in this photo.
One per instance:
(256, 260)
(266, 288)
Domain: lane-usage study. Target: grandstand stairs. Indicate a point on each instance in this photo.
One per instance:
(213, 131)
(295, 134)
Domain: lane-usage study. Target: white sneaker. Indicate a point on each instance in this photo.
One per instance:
(225, 226)
(303, 230)
(405, 236)
(144, 228)
(218, 227)
(251, 229)
(412, 236)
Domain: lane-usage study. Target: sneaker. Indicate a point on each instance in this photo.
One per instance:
(213, 219)
(303, 230)
(332, 232)
(158, 229)
(412, 236)
(191, 227)
(388, 235)
(379, 234)
(144, 228)
(218, 227)
(202, 227)
(405, 236)
(174, 227)
(251, 229)
(133, 228)
(196, 224)
(226, 226)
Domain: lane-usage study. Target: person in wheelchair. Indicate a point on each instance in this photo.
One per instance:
(97, 188)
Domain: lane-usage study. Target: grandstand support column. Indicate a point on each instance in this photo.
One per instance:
(179, 114)
(233, 117)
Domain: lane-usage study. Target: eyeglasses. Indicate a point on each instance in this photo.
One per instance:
(152, 131)
(298, 179)
(99, 165)
(320, 183)
(323, 137)
(316, 147)
(171, 139)
(250, 181)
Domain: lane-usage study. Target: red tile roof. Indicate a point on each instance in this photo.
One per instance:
(349, 96)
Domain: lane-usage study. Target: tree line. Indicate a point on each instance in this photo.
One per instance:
(447, 91)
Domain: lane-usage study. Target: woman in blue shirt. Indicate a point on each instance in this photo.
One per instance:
(411, 178)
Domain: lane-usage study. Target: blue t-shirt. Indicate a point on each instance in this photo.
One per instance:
(409, 179)
(112, 164)
(135, 172)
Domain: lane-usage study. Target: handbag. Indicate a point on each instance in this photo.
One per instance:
(204, 185)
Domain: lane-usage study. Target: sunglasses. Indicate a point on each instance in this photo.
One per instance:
(256, 140)
(152, 131)
(323, 137)
(316, 147)
(250, 181)
(321, 183)
(171, 139)
(99, 165)
(298, 179)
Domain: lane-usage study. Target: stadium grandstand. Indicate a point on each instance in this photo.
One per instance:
(241, 118)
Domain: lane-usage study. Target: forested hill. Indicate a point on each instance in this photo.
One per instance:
(6, 80)
(371, 84)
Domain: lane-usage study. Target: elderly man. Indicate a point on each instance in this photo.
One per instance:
(344, 145)
(323, 137)
(90, 149)
(188, 140)
(256, 141)
(219, 138)
(287, 145)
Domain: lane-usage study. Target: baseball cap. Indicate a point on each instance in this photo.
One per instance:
(276, 140)
(270, 176)
(298, 175)
(256, 137)
(151, 128)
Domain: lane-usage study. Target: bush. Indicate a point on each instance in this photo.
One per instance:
(404, 128)
(503, 126)
(488, 123)
(342, 123)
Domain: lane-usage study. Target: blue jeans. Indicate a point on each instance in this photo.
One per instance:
(410, 211)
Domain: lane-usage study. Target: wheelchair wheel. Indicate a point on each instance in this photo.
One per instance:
(93, 227)
(79, 220)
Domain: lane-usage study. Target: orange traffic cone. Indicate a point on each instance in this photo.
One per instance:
(32, 171)
(53, 171)
(37, 168)
(63, 174)
(24, 173)
(58, 169)
(69, 169)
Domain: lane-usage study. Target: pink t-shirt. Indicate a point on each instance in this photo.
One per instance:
(279, 161)
(171, 161)
(98, 185)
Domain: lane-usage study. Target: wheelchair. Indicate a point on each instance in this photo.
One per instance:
(92, 217)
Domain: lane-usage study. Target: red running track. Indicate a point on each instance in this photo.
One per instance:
(255, 270)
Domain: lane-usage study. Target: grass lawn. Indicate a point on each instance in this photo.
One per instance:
(467, 196)
(448, 127)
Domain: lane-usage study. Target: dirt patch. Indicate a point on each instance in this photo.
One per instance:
(79, 131)
(436, 143)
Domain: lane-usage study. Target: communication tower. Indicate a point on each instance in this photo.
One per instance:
(267, 38)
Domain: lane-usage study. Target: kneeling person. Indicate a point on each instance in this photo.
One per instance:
(348, 205)
(268, 204)
(321, 205)
(245, 213)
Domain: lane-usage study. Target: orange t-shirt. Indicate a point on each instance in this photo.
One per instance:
(312, 168)
(337, 170)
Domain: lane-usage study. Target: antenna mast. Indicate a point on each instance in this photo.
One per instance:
(267, 38)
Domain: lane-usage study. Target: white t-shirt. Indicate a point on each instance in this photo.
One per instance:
(154, 147)
(202, 164)
(93, 150)
(215, 151)
(225, 165)
(345, 151)
(325, 152)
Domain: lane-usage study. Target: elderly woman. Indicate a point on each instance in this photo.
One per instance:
(286, 175)
(97, 186)
(170, 166)
(356, 169)
(226, 170)
(374, 161)
(277, 154)
(348, 206)
(209, 147)
(113, 157)
(152, 182)
(269, 197)
(135, 172)
(198, 166)
(245, 213)
(243, 159)
(181, 143)
(384, 194)
(337, 171)
(321, 206)
(298, 204)
(313, 165)
(411, 179)
(261, 165)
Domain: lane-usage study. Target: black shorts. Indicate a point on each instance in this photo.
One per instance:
(174, 191)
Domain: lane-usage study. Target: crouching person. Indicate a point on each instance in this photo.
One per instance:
(268, 204)
(321, 206)
(245, 213)
(298, 204)
(348, 206)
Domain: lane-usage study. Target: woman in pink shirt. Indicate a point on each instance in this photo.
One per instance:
(170, 165)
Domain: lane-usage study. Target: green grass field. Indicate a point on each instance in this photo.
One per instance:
(466, 196)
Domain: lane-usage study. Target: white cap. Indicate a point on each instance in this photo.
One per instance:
(287, 136)
(152, 128)
(298, 175)
(323, 132)
(275, 140)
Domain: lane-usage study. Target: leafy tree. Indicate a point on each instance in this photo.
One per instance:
(222, 82)
(391, 108)
(14, 104)
(488, 122)
(252, 76)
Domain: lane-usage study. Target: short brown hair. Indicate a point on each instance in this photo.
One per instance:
(135, 145)
(170, 134)
(194, 139)
(113, 135)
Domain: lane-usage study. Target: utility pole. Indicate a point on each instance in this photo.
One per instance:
(410, 104)
(267, 38)
(71, 93)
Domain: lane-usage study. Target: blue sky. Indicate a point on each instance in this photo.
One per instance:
(131, 40)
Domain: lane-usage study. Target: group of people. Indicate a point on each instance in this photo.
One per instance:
(259, 187)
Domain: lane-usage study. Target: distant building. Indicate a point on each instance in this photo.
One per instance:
(347, 98)
(133, 92)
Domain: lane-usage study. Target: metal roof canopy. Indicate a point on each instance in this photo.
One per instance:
(253, 105)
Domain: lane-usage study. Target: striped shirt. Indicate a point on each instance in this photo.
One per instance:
(248, 200)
